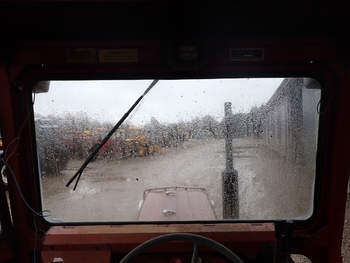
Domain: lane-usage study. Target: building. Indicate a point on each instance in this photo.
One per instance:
(290, 120)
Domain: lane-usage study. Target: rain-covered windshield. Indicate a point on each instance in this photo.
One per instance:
(200, 149)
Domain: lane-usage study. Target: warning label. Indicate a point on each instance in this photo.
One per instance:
(118, 55)
(82, 55)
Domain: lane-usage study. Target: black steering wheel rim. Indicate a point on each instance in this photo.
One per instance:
(197, 240)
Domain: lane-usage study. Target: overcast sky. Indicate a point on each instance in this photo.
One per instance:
(169, 101)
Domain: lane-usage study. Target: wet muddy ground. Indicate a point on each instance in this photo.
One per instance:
(110, 190)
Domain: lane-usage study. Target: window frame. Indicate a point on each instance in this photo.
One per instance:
(320, 74)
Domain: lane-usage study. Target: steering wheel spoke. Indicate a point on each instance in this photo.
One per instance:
(196, 239)
(194, 258)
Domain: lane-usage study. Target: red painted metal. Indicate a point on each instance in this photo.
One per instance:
(175, 204)
(332, 209)
(133, 234)
(319, 239)
(6, 250)
(73, 256)
(9, 132)
(121, 239)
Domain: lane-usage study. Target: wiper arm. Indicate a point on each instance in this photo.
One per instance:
(106, 138)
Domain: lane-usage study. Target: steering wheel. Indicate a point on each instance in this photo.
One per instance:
(197, 241)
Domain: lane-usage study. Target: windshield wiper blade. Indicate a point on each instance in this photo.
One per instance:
(106, 138)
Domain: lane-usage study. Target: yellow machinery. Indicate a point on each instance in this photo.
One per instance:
(140, 145)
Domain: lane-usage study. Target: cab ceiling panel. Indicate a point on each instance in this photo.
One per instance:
(68, 20)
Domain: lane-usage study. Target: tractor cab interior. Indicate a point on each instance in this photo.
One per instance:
(156, 131)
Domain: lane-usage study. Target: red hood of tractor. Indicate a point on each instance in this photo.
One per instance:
(176, 204)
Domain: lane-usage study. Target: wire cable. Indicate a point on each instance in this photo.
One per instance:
(44, 213)
(35, 260)
(20, 130)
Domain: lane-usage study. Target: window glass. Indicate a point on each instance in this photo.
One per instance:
(200, 149)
